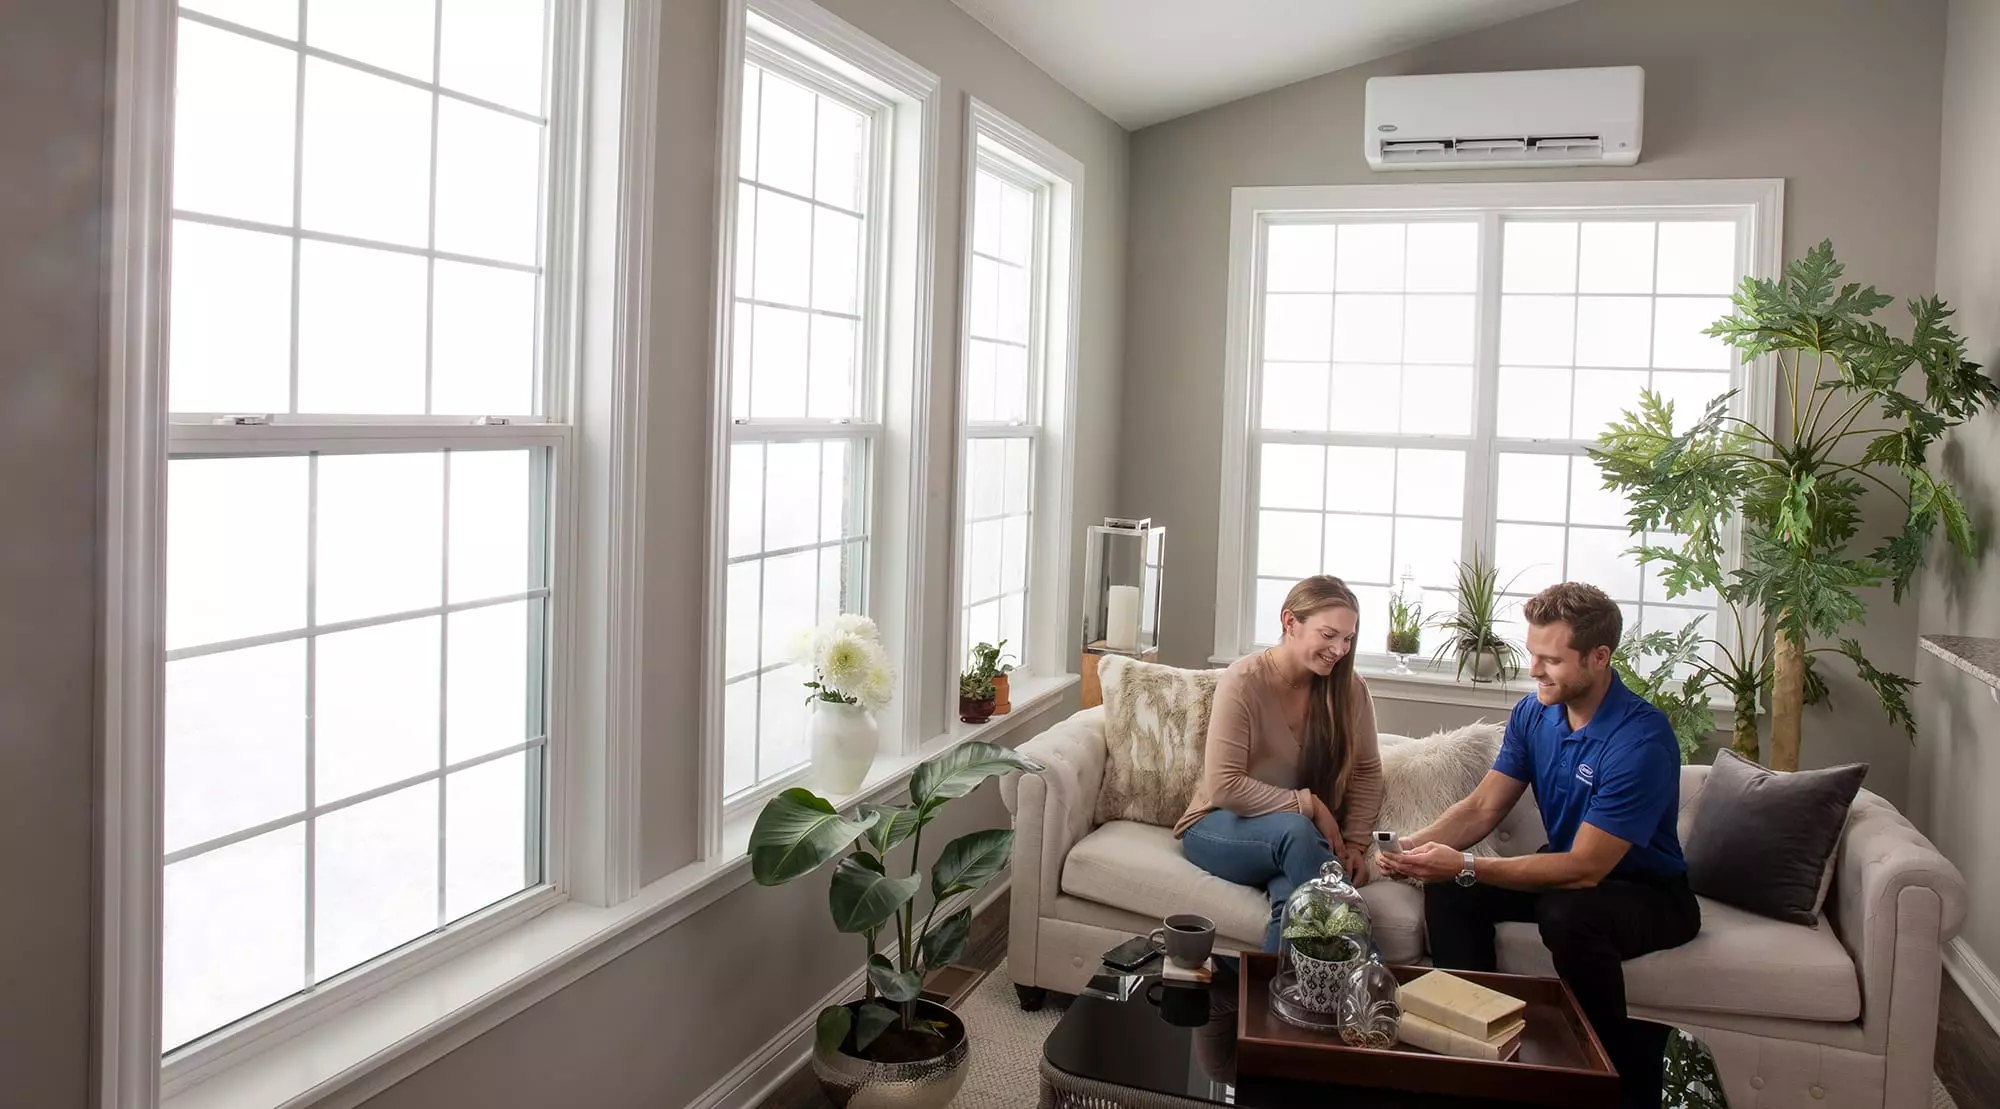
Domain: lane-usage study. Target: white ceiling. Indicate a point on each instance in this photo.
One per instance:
(1144, 61)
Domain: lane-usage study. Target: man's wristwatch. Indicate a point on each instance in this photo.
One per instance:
(1467, 876)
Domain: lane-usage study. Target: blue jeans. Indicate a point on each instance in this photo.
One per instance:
(1277, 851)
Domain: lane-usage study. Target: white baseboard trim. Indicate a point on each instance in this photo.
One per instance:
(752, 1080)
(1975, 978)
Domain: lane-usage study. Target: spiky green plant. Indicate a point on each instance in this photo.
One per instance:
(1472, 627)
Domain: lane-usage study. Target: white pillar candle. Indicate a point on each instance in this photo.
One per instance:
(1121, 619)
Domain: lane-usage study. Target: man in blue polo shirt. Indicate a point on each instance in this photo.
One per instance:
(1611, 884)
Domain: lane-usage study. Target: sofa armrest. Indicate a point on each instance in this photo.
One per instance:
(1052, 811)
(1895, 902)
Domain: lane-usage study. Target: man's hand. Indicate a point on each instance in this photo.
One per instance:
(1431, 862)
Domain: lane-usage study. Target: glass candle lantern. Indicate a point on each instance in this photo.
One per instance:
(1124, 561)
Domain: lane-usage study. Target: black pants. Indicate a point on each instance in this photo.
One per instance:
(1591, 932)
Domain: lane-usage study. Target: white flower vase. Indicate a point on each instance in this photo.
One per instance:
(844, 741)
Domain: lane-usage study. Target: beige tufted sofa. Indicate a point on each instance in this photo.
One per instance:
(1840, 1015)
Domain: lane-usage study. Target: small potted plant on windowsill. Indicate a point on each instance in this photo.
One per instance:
(1406, 622)
(1472, 631)
(987, 660)
(975, 697)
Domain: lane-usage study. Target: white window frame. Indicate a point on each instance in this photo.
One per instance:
(902, 241)
(594, 354)
(1055, 314)
(1757, 203)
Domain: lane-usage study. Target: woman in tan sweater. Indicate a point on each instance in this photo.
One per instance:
(1291, 776)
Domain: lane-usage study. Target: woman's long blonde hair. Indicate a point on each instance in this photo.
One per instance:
(1331, 702)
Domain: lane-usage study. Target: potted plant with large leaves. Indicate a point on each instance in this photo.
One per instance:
(891, 1035)
(1796, 490)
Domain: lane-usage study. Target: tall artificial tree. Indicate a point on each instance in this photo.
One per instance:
(1797, 488)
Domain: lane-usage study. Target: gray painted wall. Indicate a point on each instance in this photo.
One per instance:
(52, 143)
(1955, 767)
(661, 1024)
(1838, 97)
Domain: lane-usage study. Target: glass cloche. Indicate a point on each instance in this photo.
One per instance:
(1331, 977)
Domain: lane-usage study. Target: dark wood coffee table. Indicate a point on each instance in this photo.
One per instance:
(1126, 1053)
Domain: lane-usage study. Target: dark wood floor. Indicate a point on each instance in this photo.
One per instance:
(1968, 1049)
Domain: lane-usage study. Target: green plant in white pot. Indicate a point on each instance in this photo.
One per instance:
(1472, 628)
(891, 1035)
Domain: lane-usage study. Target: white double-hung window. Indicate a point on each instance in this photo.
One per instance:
(1016, 391)
(1415, 373)
(366, 524)
(821, 372)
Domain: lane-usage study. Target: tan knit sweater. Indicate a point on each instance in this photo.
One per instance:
(1251, 764)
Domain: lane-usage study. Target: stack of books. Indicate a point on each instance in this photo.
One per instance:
(1451, 1016)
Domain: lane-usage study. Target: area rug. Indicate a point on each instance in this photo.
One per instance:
(1007, 1049)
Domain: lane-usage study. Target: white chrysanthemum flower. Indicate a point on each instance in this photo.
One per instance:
(857, 625)
(804, 646)
(845, 661)
(878, 688)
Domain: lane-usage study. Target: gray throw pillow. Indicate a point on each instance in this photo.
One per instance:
(1762, 840)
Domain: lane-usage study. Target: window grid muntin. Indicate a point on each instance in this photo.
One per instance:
(1029, 429)
(543, 462)
(192, 435)
(1485, 444)
(542, 387)
(862, 431)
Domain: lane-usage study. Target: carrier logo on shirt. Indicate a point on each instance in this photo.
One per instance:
(1586, 774)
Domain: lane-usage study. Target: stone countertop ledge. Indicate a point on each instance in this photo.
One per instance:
(1977, 656)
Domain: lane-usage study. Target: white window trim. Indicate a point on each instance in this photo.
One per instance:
(350, 1027)
(1762, 199)
(1049, 635)
(896, 551)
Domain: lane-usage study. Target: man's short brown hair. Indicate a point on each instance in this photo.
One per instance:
(1593, 617)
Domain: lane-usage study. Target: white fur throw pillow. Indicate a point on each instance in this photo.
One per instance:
(1155, 729)
(1421, 778)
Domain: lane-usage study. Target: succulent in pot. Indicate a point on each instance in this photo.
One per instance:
(975, 697)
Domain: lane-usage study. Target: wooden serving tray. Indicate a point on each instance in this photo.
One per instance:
(1561, 1061)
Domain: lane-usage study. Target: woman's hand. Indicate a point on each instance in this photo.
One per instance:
(1329, 828)
(1354, 860)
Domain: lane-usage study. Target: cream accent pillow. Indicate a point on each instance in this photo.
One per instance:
(1155, 729)
(1421, 778)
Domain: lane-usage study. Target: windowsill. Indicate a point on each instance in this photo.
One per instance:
(1434, 687)
(357, 1053)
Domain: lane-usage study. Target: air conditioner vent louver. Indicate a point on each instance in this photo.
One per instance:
(1553, 117)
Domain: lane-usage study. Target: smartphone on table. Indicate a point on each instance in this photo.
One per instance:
(1132, 954)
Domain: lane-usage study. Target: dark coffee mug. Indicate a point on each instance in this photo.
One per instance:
(1183, 1004)
(1188, 938)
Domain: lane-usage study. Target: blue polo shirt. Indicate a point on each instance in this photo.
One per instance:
(1620, 772)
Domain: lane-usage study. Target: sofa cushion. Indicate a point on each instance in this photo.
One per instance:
(1155, 727)
(1740, 963)
(1765, 840)
(1140, 868)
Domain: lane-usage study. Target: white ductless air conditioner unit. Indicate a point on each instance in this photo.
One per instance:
(1535, 117)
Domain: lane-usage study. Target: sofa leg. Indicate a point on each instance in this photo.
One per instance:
(1032, 997)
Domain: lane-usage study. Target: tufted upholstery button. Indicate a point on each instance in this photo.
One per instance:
(1505, 836)
(1819, 1091)
(1757, 1082)
(1076, 960)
